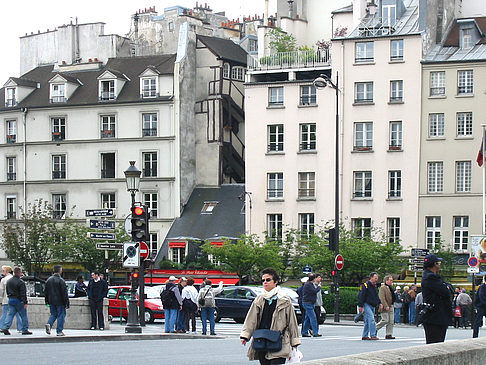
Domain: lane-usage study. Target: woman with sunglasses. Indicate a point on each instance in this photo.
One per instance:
(271, 310)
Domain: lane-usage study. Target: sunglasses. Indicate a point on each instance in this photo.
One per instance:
(267, 280)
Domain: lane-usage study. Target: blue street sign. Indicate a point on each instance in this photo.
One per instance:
(101, 236)
(97, 224)
(307, 269)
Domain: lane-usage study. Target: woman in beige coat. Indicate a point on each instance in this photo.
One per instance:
(271, 310)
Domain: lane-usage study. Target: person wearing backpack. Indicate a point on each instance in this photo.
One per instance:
(207, 304)
(172, 303)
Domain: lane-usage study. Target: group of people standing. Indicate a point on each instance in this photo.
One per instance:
(405, 304)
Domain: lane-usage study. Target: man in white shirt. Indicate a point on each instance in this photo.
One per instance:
(189, 304)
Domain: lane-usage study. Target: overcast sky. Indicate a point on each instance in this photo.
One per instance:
(18, 17)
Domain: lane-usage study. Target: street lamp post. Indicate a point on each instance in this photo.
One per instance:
(320, 83)
(132, 176)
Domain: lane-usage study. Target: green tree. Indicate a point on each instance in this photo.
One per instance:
(447, 265)
(281, 41)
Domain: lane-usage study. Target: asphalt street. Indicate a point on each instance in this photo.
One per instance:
(337, 340)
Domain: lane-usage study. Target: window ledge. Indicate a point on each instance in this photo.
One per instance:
(396, 102)
(357, 63)
(369, 150)
(395, 150)
(435, 139)
(307, 106)
(362, 199)
(305, 199)
(394, 199)
(357, 103)
(275, 106)
(275, 153)
(437, 96)
(307, 152)
(397, 61)
(465, 96)
(274, 200)
(464, 138)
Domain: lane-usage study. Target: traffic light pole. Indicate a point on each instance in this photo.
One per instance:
(141, 290)
(132, 322)
(336, 201)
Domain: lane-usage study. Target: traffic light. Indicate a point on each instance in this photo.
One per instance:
(333, 273)
(331, 238)
(140, 227)
(135, 282)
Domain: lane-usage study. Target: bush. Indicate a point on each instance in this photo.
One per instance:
(348, 300)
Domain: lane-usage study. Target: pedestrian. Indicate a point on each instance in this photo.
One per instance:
(172, 303)
(412, 293)
(318, 304)
(80, 287)
(311, 288)
(387, 298)
(406, 302)
(480, 304)
(180, 322)
(398, 303)
(272, 310)
(97, 290)
(189, 305)
(368, 300)
(437, 310)
(419, 301)
(300, 293)
(456, 310)
(7, 274)
(464, 301)
(56, 297)
(17, 302)
(207, 305)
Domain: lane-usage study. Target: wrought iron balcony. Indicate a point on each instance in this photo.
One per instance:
(294, 59)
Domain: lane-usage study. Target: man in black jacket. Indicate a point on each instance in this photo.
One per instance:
(17, 302)
(309, 297)
(480, 303)
(368, 300)
(97, 291)
(56, 297)
(437, 306)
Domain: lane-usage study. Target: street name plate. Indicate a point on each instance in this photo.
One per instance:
(109, 246)
(420, 252)
(98, 224)
(109, 212)
(101, 236)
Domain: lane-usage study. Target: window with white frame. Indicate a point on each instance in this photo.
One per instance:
(306, 223)
(11, 131)
(463, 176)
(396, 50)
(394, 184)
(107, 91)
(275, 185)
(361, 227)
(396, 90)
(465, 82)
(11, 205)
(308, 95)
(149, 87)
(363, 136)
(153, 244)
(177, 254)
(435, 176)
(307, 136)
(362, 184)
(393, 230)
(11, 168)
(275, 96)
(307, 185)
(151, 201)
(432, 231)
(395, 135)
(59, 166)
(58, 128)
(226, 70)
(464, 124)
(461, 232)
(466, 38)
(437, 83)
(252, 45)
(108, 200)
(436, 125)
(10, 98)
(238, 73)
(275, 138)
(149, 124)
(274, 226)
(364, 52)
(108, 126)
(363, 92)
(149, 164)
(59, 206)
(389, 15)
(58, 93)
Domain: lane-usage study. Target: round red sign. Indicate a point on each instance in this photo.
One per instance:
(144, 250)
(472, 261)
(339, 262)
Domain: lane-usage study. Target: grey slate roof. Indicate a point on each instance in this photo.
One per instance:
(87, 93)
(24, 82)
(226, 219)
(225, 49)
(346, 9)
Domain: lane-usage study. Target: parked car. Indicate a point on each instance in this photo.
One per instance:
(118, 297)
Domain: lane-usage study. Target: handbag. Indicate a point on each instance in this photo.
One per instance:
(265, 340)
(457, 311)
(202, 301)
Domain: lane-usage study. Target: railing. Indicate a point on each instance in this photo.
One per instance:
(275, 193)
(11, 215)
(107, 95)
(148, 132)
(396, 99)
(308, 146)
(10, 102)
(11, 176)
(58, 174)
(307, 193)
(375, 26)
(58, 136)
(308, 100)
(275, 147)
(149, 172)
(11, 138)
(109, 133)
(395, 147)
(292, 59)
(58, 99)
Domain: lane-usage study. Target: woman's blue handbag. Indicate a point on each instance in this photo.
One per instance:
(265, 340)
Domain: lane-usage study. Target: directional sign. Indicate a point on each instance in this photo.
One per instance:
(473, 262)
(473, 270)
(101, 236)
(420, 252)
(415, 268)
(144, 250)
(98, 224)
(339, 262)
(307, 270)
(109, 246)
(109, 212)
(131, 254)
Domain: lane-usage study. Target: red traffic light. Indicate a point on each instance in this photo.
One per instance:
(138, 211)
(333, 272)
(135, 275)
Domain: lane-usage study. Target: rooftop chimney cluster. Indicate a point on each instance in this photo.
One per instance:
(201, 7)
(147, 11)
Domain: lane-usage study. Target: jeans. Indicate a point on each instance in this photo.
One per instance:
(181, 322)
(4, 317)
(310, 320)
(207, 313)
(397, 315)
(369, 321)
(57, 312)
(170, 319)
(411, 313)
(16, 306)
(96, 307)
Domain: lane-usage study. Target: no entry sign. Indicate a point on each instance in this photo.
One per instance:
(339, 262)
(144, 250)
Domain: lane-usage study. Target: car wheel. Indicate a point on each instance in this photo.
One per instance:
(149, 316)
(239, 320)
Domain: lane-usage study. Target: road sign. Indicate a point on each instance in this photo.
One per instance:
(101, 236)
(420, 252)
(473, 262)
(473, 270)
(339, 262)
(109, 246)
(99, 224)
(144, 250)
(415, 268)
(416, 260)
(131, 254)
(307, 270)
(109, 212)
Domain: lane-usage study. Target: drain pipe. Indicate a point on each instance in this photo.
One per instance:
(24, 144)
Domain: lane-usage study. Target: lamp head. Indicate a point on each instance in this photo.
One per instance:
(320, 82)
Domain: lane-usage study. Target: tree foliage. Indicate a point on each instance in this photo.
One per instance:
(447, 265)
(281, 41)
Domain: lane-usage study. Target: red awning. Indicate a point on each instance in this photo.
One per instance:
(217, 243)
(177, 244)
(160, 276)
(197, 281)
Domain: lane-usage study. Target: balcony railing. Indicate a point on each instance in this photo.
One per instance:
(11, 215)
(275, 147)
(58, 99)
(308, 146)
(58, 136)
(10, 102)
(107, 95)
(11, 176)
(11, 138)
(149, 172)
(294, 59)
(58, 174)
(307, 193)
(109, 133)
(148, 132)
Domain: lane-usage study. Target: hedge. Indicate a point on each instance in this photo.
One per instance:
(348, 300)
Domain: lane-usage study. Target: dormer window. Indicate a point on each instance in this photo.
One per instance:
(467, 38)
(10, 99)
(58, 93)
(107, 90)
(149, 87)
(389, 14)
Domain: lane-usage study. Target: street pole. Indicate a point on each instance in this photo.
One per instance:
(336, 202)
(141, 291)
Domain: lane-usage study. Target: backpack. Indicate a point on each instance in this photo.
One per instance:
(168, 298)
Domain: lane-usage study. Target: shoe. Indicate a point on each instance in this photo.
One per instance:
(374, 338)
(194, 333)
(365, 338)
(213, 334)
(180, 331)
(389, 337)
(317, 335)
(173, 331)
(61, 334)
(204, 333)
(48, 329)
(306, 335)
(27, 333)
(5, 331)
(102, 329)
(92, 328)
